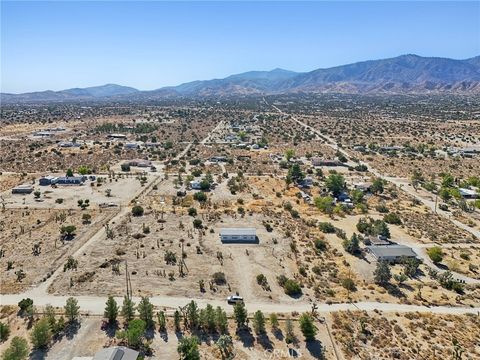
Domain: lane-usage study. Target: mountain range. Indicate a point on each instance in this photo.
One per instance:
(406, 74)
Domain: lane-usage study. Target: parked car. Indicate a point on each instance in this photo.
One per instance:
(234, 299)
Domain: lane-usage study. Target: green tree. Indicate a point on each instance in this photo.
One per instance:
(26, 306)
(382, 273)
(41, 334)
(188, 348)
(69, 173)
(240, 314)
(67, 231)
(352, 245)
(177, 318)
(162, 322)
(417, 178)
(274, 321)
(210, 323)
(111, 310)
(200, 196)
(135, 332)
(324, 204)
(197, 224)
(18, 349)
(377, 186)
(289, 154)
(381, 228)
(4, 331)
(447, 181)
(309, 330)
(50, 315)
(335, 184)
(259, 322)
(295, 173)
(357, 196)
(128, 309)
(221, 320)
(192, 315)
(72, 309)
(289, 334)
(435, 253)
(410, 266)
(145, 310)
(292, 288)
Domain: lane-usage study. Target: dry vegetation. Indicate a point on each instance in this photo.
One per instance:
(406, 336)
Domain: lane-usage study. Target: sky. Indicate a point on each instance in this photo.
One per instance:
(63, 44)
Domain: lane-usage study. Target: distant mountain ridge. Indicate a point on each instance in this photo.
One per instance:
(103, 91)
(405, 74)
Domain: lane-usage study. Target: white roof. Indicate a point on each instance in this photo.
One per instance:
(116, 353)
(468, 192)
(238, 231)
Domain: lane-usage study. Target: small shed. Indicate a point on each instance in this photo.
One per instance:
(238, 235)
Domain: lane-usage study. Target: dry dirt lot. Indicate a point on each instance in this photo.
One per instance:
(407, 336)
(123, 188)
(22, 229)
(203, 256)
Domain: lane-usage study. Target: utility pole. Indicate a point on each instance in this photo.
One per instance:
(127, 281)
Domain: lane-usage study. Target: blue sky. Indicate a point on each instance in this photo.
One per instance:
(147, 45)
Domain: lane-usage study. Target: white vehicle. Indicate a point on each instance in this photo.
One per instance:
(234, 299)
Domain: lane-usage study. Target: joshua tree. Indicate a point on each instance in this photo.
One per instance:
(225, 345)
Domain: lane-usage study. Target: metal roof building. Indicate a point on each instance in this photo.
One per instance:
(238, 235)
(112, 353)
(391, 252)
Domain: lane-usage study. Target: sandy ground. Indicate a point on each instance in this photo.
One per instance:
(123, 187)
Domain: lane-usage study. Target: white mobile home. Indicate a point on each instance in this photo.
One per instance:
(238, 235)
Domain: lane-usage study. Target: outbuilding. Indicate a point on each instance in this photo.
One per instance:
(22, 189)
(238, 235)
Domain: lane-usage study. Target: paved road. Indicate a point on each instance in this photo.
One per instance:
(95, 305)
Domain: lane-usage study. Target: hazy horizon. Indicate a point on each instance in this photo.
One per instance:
(149, 45)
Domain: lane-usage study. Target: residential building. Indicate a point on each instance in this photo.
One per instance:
(140, 163)
(391, 253)
(238, 235)
(47, 180)
(70, 180)
(117, 136)
(112, 353)
(195, 185)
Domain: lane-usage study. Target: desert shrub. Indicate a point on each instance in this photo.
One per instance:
(326, 227)
(219, 278)
(320, 245)
(392, 218)
(137, 210)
